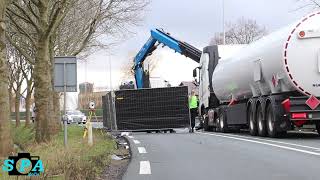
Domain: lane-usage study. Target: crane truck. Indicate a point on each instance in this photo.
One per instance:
(150, 109)
(159, 37)
(269, 86)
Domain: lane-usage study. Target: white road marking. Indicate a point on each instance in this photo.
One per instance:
(264, 143)
(145, 167)
(142, 150)
(279, 142)
(124, 134)
(136, 141)
(131, 137)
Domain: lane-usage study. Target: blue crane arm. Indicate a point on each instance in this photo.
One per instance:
(160, 37)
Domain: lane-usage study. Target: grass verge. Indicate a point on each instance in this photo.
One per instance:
(78, 161)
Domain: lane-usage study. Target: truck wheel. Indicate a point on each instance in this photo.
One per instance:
(318, 127)
(252, 122)
(223, 126)
(271, 128)
(205, 124)
(262, 129)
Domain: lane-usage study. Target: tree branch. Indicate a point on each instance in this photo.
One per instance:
(26, 55)
(30, 20)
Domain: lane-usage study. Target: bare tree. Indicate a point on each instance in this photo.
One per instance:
(97, 24)
(20, 82)
(149, 64)
(37, 21)
(27, 73)
(93, 25)
(307, 4)
(6, 144)
(48, 29)
(16, 66)
(244, 31)
(217, 39)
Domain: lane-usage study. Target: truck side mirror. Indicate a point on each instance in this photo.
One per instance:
(195, 72)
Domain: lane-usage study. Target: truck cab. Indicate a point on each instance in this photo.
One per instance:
(209, 60)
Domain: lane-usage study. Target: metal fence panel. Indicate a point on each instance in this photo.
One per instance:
(147, 109)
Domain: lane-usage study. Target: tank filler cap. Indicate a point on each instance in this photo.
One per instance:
(304, 34)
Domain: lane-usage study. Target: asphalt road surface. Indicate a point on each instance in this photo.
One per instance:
(217, 156)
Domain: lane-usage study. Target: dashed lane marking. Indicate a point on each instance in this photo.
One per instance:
(145, 167)
(136, 141)
(264, 143)
(131, 137)
(142, 150)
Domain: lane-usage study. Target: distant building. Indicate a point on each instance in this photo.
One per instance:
(85, 99)
(90, 93)
(86, 87)
(191, 86)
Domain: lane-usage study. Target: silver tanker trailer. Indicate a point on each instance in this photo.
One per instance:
(269, 86)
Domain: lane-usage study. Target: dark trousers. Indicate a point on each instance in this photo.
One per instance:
(193, 113)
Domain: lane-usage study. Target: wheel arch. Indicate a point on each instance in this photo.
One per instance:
(202, 110)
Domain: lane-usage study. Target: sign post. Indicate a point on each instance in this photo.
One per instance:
(65, 80)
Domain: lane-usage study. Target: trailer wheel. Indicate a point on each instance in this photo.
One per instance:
(261, 123)
(271, 127)
(223, 126)
(252, 122)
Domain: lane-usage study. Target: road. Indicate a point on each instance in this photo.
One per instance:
(217, 156)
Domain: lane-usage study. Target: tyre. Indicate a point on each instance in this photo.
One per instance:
(271, 125)
(318, 127)
(252, 122)
(223, 126)
(261, 123)
(205, 124)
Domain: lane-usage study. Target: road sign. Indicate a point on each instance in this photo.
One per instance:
(65, 71)
(65, 80)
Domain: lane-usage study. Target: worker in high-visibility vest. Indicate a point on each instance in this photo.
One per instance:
(193, 106)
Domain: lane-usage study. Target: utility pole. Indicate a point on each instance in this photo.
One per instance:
(223, 22)
(110, 74)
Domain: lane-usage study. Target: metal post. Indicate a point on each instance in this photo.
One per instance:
(90, 135)
(64, 105)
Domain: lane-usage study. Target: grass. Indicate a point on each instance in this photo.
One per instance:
(78, 161)
(23, 136)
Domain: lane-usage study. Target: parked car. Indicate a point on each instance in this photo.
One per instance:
(76, 116)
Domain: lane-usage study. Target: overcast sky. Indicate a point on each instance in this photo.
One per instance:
(193, 21)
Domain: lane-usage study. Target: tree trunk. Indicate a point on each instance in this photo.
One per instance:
(56, 124)
(17, 107)
(10, 100)
(43, 88)
(28, 106)
(56, 112)
(6, 145)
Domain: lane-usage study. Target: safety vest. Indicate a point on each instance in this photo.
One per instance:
(193, 102)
